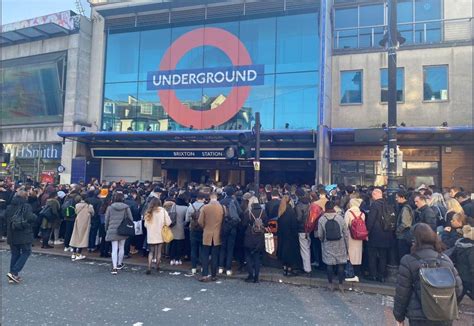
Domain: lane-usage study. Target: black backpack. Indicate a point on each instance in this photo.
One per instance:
(68, 209)
(389, 218)
(332, 229)
(194, 225)
(47, 213)
(231, 217)
(18, 220)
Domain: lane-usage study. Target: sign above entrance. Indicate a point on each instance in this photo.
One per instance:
(44, 151)
(240, 76)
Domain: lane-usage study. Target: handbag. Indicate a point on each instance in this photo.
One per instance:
(138, 227)
(349, 270)
(269, 243)
(166, 234)
(126, 228)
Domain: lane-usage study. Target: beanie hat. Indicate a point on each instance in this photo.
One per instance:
(103, 193)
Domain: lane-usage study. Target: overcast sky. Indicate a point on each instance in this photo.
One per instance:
(16, 10)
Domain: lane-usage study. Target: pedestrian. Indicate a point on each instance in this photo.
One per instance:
(424, 213)
(288, 242)
(271, 208)
(82, 225)
(302, 214)
(452, 207)
(407, 303)
(380, 241)
(316, 210)
(114, 216)
(210, 220)
(254, 222)
(467, 205)
(177, 245)
(195, 230)
(333, 233)
(156, 217)
(405, 219)
(68, 212)
(354, 245)
(463, 259)
(95, 220)
(19, 220)
(453, 233)
(438, 204)
(55, 220)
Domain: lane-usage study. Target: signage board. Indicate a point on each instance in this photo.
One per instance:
(32, 151)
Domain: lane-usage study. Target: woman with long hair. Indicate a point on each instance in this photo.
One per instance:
(452, 207)
(155, 218)
(407, 304)
(288, 242)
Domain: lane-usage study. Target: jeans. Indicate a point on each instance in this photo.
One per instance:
(254, 261)
(305, 247)
(117, 252)
(176, 249)
(68, 233)
(378, 270)
(340, 272)
(19, 256)
(196, 247)
(93, 233)
(403, 248)
(227, 250)
(316, 250)
(214, 251)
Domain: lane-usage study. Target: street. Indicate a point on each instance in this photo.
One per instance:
(56, 291)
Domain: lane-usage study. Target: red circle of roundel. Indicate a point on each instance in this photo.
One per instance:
(237, 54)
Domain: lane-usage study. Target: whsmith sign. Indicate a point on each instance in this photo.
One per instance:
(240, 77)
(45, 151)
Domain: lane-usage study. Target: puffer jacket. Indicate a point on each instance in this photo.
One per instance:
(113, 217)
(19, 237)
(302, 213)
(407, 302)
(463, 258)
(426, 215)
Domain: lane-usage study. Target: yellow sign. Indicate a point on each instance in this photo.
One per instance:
(256, 165)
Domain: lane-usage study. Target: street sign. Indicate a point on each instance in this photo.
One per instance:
(386, 156)
(256, 165)
(61, 169)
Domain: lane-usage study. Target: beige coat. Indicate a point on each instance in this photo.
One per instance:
(210, 219)
(82, 225)
(159, 218)
(355, 246)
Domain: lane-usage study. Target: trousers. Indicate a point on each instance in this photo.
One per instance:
(377, 261)
(19, 256)
(305, 251)
(214, 252)
(118, 249)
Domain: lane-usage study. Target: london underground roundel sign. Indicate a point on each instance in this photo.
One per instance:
(240, 77)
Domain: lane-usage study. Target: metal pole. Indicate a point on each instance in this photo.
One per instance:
(257, 151)
(392, 100)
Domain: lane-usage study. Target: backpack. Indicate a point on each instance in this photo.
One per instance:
(46, 213)
(357, 228)
(333, 229)
(194, 225)
(389, 219)
(257, 227)
(171, 209)
(438, 290)
(68, 209)
(312, 220)
(18, 220)
(231, 217)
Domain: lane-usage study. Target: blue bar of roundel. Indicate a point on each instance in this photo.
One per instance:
(259, 80)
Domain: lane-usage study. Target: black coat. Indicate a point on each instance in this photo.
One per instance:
(134, 208)
(427, 215)
(96, 204)
(251, 240)
(25, 236)
(378, 238)
(407, 302)
(271, 208)
(468, 207)
(463, 259)
(302, 212)
(288, 250)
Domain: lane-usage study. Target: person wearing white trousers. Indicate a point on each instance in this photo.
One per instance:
(305, 251)
(302, 213)
(118, 249)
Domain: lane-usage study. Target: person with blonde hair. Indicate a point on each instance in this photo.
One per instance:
(155, 218)
(354, 246)
(452, 207)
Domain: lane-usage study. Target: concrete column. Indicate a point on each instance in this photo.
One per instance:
(147, 170)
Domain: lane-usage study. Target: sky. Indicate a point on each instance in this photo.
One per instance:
(17, 10)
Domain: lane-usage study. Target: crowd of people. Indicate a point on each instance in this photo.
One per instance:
(351, 232)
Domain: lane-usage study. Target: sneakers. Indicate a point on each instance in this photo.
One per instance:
(58, 242)
(173, 263)
(153, 261)
(13, 278)
(120, 266)
(179, 262)
(73, 257)
(221, 270)
(193, 271)
(80, 257)
(353, 279)
(228, 273)
(67, 249)
(114, 271)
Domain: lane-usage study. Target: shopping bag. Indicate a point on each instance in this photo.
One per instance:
(269, 243)
(138, 227)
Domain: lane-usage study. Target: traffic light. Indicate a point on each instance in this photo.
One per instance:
(5, 159)
(243, 150)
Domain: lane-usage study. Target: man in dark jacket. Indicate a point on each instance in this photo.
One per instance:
(271, 208)
(95, 220)
(20, 240)
(302, 213)
(467, 206)
(463, 259)
(404, 222)
(5, 198)
(380, 241)
(424, 213)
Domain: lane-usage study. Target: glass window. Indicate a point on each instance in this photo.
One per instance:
(346, 17)
(120, 99)
(153, 45)
(427, 9)
(297, 43)
(435, 83)
(122, 57)
(296, 101)
(384, 84)
(371, 15)
(351, 87)
(405, 11)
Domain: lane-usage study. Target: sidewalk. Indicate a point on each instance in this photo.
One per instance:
(267, 274)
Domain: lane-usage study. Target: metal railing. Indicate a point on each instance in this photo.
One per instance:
(420, 32)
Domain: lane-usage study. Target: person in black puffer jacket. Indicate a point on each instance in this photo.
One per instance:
(407, 302)
(254, 243)
(463, 258)
(424, 213)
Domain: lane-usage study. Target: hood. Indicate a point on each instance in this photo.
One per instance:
(119, 206)
(464, 243)
(17, 200)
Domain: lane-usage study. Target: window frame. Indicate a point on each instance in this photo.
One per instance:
(380, 85)
(361, 88)
(423, 83)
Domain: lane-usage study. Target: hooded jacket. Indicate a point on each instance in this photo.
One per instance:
(113, 217)
(463, 258)
(19, 237)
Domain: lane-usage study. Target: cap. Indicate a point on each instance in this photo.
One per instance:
(61, 194)
(103, 193)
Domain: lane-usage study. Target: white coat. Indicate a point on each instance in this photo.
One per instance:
(159, 218)
(355, 246)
